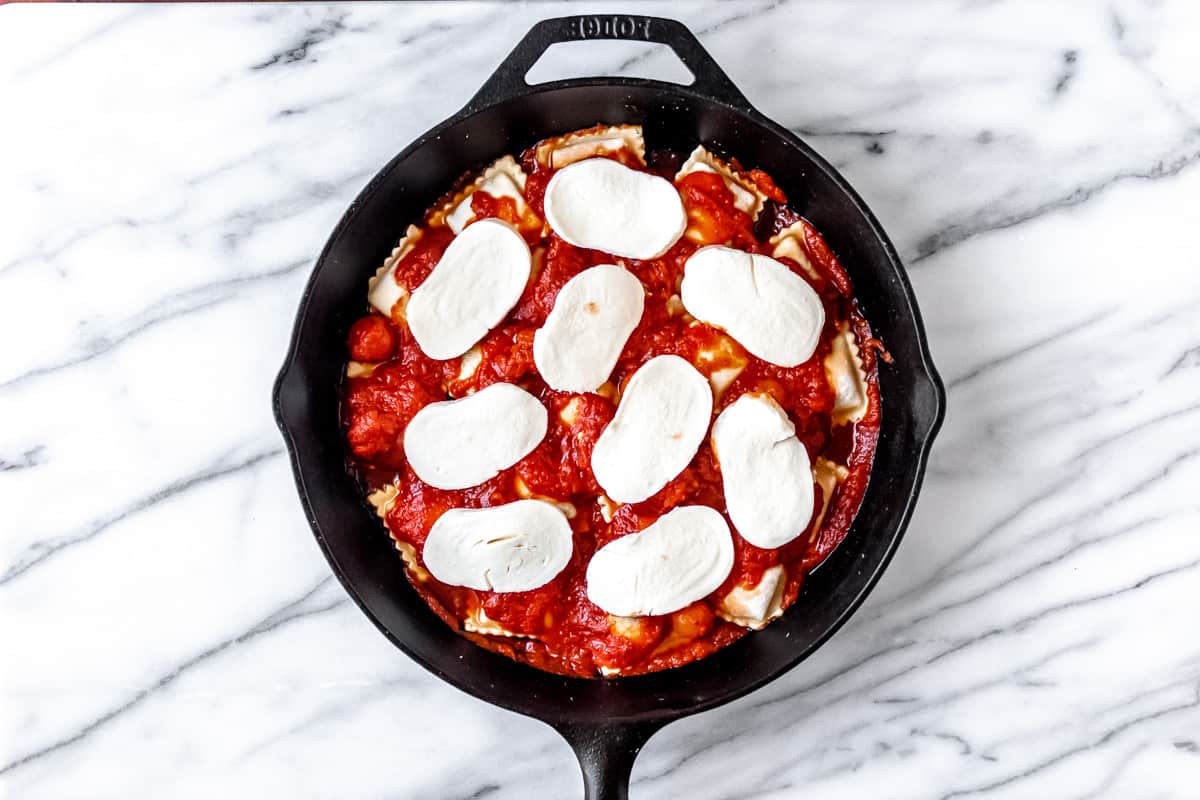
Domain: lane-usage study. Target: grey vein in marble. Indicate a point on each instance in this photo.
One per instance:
(176, 633)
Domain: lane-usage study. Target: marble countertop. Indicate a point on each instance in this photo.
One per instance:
(169, 628)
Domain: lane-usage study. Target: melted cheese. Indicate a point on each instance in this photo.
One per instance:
(563, 150)
(602, 205)
(383, 292)
(456, 444)
(766, 307)
(476, 282)
(509, 548)
(659, 424)
(593, 316)
(765, 471)
(682, 557)
(746, 194)
(754, 606)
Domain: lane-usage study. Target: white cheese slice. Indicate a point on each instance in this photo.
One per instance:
(765, 471)
(769, 309)
(478, 280)
(746, 195)
(382, 290)
(593, 316)
(600, 204)
(754, 606)
(456, 444)
(510, 548)
(660, 422)
(680, 558)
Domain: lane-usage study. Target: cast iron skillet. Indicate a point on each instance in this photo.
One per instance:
(606, 722)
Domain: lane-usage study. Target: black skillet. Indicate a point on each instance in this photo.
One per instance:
(605, 721)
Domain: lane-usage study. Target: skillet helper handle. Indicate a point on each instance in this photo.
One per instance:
(509, 78)
(606, 752)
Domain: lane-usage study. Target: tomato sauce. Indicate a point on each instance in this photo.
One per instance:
(555, 627)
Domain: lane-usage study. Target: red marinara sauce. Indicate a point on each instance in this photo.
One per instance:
(555, 627)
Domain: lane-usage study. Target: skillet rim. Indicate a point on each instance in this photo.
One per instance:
(926, 424)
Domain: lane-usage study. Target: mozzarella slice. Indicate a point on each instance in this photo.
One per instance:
(382, 290)
(510, 548)
(478, 280)
(593, 316)
(660, 422)
(457, 444)
(754, 606)
(600, 204)
(683, 556)
(769, 309)
(765, 471)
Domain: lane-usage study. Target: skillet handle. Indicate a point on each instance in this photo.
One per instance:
(606, 752)
(509, 78)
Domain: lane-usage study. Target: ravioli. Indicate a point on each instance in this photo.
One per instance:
(608, 424)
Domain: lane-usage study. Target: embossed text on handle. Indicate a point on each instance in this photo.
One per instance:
(612, 26)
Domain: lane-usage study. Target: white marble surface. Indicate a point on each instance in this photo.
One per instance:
(169, 628)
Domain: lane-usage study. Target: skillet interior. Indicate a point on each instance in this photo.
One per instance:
(360, 551)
